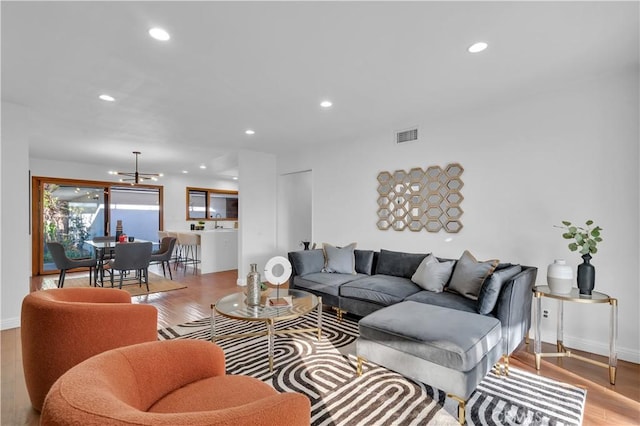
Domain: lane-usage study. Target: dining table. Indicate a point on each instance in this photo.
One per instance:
(104, 247)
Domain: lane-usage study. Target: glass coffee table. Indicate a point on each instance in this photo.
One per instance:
(234, 306)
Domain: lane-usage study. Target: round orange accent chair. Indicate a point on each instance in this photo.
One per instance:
(62, 327)
(174, 382)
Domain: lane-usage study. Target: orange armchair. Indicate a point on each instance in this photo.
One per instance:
(174, 382)
(62, 327)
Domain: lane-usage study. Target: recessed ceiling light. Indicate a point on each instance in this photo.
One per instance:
(107, 98)
(235, 178)
(185, 171)
(159, 34)
(202, 166)
(326, 104)
(477, 47)
(250, 132)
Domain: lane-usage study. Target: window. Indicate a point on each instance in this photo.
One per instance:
(212, 204)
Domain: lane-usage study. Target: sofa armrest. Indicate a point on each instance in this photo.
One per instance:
(514, 307)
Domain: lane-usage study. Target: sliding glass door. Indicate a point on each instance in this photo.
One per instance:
(137, 209)
(72, 212)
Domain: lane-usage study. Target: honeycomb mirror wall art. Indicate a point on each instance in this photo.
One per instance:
(421, 199)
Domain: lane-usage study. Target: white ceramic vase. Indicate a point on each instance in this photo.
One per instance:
(560, 277)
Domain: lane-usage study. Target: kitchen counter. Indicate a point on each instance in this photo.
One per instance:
(218, 250)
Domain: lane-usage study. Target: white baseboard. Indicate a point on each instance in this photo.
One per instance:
(8, 323)
(599, 348)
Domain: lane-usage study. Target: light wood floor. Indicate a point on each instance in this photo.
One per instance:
(606, 404)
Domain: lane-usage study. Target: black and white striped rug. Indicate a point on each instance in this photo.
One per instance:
(325, 371)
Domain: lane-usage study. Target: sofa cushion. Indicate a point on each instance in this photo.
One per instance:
(445, 299)
(381, 289)
(432, 274)
(307, 261)
(398, 264)
(469, 275)
(339, 260)
(364, 261)
(491, 288)
(324, 282)
(455, 339)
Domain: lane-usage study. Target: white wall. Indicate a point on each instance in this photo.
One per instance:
(15, 261)
(294, 210)
(564, 155)
(257, 211)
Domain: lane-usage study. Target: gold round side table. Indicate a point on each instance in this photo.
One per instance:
(575, 297)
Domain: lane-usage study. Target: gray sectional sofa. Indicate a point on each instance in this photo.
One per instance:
(383, 278)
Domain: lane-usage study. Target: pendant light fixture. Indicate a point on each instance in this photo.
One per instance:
(136, 176)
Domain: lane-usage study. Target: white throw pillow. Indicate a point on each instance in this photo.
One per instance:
(432, 274)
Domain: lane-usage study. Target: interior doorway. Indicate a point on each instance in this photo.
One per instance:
(295, 212)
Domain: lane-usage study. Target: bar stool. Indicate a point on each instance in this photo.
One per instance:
(177, 251)
(189, 243)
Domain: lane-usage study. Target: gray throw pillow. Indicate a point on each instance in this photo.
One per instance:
(433, 275)
(469, 275)
(339, 260)
(491, 288)
(364, 261)
(398, 264)
(307, 261)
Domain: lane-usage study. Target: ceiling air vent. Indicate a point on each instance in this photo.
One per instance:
(408, 135)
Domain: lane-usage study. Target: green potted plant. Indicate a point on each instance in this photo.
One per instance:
(585, 240)
(200, 226)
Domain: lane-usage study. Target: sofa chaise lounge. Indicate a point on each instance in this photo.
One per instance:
(441, 321)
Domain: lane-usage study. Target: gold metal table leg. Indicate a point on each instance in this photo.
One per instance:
(319, 318)
(612, 375)
(270, 333)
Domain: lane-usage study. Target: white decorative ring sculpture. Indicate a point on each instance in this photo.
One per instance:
(286, 270)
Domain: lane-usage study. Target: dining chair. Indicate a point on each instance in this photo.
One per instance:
(163, 255)
(132, 257)
(64, 263)
(103, 254)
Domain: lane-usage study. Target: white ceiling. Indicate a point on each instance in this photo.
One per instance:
(230, 66)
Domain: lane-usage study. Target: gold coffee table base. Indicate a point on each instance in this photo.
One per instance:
(233, 306)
